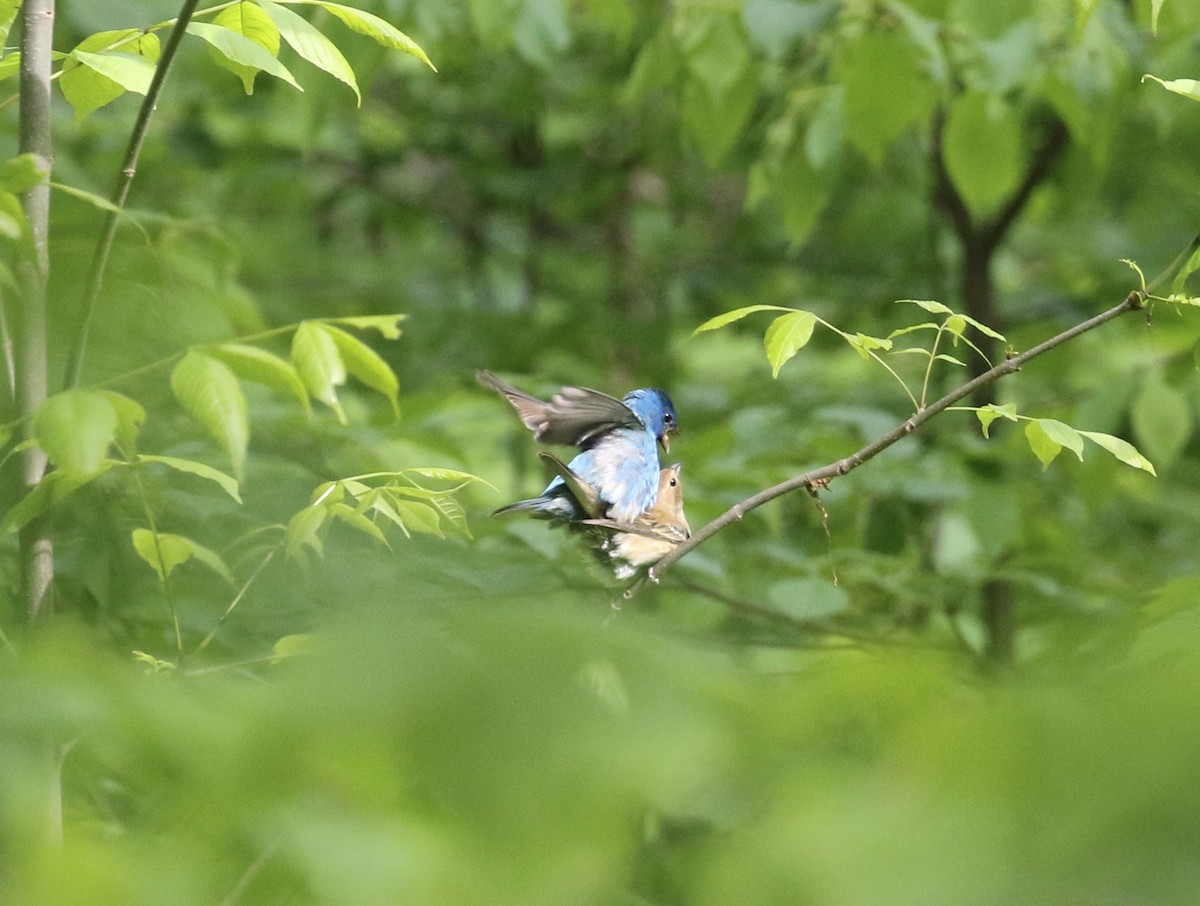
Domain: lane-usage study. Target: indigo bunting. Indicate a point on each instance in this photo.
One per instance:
(618, 440)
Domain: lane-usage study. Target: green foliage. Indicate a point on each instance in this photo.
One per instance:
(276, 684)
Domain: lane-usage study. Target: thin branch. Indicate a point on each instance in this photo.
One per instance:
(822, 476)
(37, 549)
(128, 170)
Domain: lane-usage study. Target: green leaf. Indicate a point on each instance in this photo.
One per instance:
(209, 392)
(453, 512)
(379, 30)
(365, 363)
(99, 201)
(75, 428)
(1063, 434)
(387, 325)
(864, 345)
(103, 66)
(227, 482)
(419, 517)
(1121, 449)
(132, 73)
(311, 44)
(786, 336)
(130, 416)
(888, 90)
(316, 357)
(982, 147)
(21, 173)
(239, 49)
(1040, 443)
(934, 308)
(736, 315)
(715, 121)
(162, 552)
(302, 530)
(989, 413)
(358, 521)
(251, 21)
(983, 328)
(8, 15)
(52, 489)
(253, 364)
(292, 646)
(1189, 88)
(446, 474)
(1162, 421)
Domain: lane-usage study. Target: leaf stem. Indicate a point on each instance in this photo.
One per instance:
(129, 165)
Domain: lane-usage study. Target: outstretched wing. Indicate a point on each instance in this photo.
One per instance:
(574, 416)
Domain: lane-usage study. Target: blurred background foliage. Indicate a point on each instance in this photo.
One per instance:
(962, 678)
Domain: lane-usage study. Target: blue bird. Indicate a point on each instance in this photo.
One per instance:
(618, 440)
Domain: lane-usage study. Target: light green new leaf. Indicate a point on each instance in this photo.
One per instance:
(238, 48)
(447, 475)
(1155, 9)
(75, 428)
(358, 521)
(380, 504)
(989, 413)
(171, 551)
(454, 513)
(1122, 450)
(419, 517)
(302, 530)
(983, 328)
(864, 344)
(1189, 88)
(934, 308)
(736, 315)
(130, 416)
(103, 66)
(209, 392)
(253, 364)
(365, 363)
(132, 73)
(316, 357)
(786, 336)
(1064, 435)
(1040, 443)
(227, 482)
(292, 646)
(387, 325)
(377, 29)
(20, 173)
(13, 223)
(249, 20)
(311, 44)
(163, 552)
(8, 15)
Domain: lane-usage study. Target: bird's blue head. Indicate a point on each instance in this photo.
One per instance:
(656, 411)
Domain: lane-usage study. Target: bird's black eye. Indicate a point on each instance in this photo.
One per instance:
(668, 418)
(674, 482)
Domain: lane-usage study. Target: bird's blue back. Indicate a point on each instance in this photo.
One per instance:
(621, 464)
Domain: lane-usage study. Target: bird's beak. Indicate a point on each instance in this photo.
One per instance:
(665, 440)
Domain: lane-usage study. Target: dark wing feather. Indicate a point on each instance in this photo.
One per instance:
(575, 416)
(585, 494)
